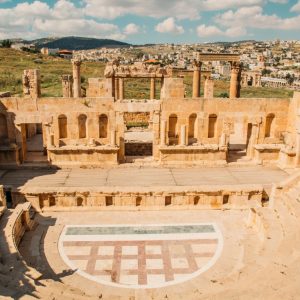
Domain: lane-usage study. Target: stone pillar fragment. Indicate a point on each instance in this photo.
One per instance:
(163, 133)
(117, 91)
(76, 78)
(196, 79)
(67, 86)
(183, 135)
(32, 83)
(121, 88)
(113, 138)
(152, 88)
(209, 88)
(253, 140)
(235, 84)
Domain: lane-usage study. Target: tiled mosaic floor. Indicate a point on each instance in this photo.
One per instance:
(141, 256)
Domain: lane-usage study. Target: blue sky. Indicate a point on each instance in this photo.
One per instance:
(152, 21)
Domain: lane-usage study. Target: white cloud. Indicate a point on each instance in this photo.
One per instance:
(181, 9)
(204, 31)
(253, 17)
(74, 27)
(169, 26)
(296, 7)
(279, 1)
(227, 4)
(64, 9)
(36, 19)
(131, 29)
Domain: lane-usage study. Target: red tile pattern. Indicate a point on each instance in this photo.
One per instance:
(137, 261)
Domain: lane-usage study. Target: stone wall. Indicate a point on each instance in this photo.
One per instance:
(243, 196)
(190, 126)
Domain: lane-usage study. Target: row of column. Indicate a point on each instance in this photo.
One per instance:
(235, 85)
(120, 88)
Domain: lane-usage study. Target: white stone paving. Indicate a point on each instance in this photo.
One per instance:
(143, 177)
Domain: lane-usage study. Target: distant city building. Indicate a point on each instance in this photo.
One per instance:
(49, 51)
(20, 46)
(67, 54)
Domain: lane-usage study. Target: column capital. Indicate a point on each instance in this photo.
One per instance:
(236, 66)
(76, 62)
(197, 65)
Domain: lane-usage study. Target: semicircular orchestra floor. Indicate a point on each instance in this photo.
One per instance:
(140, 256)
(172, 253)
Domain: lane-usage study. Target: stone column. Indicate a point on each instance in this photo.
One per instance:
(152, 88)
(120, 135)
(196, 79)
(235, 85)
(121, 88)
(183, 135)
(20, 130)
(253, 140)
(76, 78)
(209, 88)
(258, 82)
(113, 138)
(163, 133)
(67, 86)
(117, 94)
(156, 127)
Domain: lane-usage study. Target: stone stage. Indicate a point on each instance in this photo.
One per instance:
(143, 187)
(122, 177)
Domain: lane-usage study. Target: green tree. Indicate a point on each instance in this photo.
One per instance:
(265, 72)
(6, 44)
(290, 78)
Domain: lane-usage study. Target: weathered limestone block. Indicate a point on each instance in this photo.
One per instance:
(35, 201)
(208, 88)
(67, 86)
(100, 87)
(172, 88)
(32, 83)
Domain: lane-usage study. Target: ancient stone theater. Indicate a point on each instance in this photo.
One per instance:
(171, 197)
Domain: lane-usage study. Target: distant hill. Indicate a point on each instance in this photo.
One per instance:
(78, 43)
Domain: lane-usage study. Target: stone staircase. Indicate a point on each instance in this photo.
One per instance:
(271, 266)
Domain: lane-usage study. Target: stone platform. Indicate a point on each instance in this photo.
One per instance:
(143, 188)
(141, 177)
